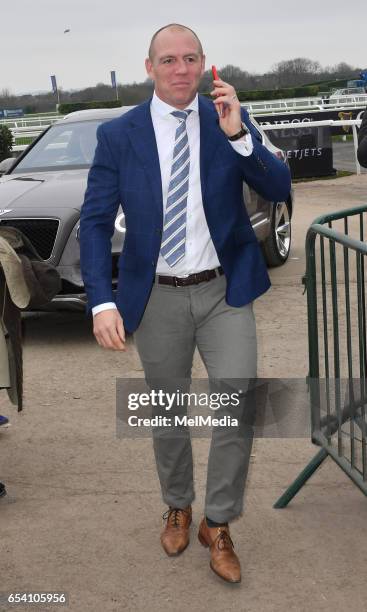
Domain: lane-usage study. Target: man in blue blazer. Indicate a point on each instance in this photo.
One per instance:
(191, 265)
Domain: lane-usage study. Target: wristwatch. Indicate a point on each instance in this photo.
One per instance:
(243, 131)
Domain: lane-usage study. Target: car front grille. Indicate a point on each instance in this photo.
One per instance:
(40, 232)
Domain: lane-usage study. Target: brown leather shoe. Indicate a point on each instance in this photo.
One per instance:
(223, 560)
(175, 536)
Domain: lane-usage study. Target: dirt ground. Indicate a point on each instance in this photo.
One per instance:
(83, 510)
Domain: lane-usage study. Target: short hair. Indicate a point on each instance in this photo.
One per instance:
(174, 26)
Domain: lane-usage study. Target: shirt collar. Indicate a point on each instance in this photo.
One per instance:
(164, 110)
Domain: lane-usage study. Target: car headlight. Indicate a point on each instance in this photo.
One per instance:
(119, 226)
(119, 223)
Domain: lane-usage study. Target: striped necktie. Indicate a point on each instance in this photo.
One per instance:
(174, 225)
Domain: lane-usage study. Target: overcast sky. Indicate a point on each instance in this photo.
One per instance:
(114, 35)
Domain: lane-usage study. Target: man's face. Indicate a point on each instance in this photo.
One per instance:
(176, 67)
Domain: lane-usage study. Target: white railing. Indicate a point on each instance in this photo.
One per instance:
(29, 121)
(313, 104)
(353, 123)
(269, 107)
(24, 132)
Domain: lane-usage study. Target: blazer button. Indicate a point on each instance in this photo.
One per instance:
(153, 264)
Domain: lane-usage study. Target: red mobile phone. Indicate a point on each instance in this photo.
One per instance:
(215, 73)
(215, 78)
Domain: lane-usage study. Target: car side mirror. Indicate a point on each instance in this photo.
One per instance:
(6, 164)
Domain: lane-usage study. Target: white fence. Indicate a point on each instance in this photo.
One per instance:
(24, 128)
(31, 126)
(26, 132)
(40, 120)
(315, 103)
(291, 105)
(269, 107)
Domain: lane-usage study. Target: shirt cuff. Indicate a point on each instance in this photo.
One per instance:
(105, 306)
(244, 146)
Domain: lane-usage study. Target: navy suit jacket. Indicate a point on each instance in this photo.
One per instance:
(126, 170)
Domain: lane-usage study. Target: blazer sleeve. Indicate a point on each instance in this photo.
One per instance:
(362, 141)
(97, 221)
(264, 172)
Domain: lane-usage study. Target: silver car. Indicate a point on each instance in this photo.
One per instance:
(42, 191)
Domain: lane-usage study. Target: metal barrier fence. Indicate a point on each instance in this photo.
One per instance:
(336, 251)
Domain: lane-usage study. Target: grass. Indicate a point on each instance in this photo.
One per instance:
(340, 138)
(24, 140)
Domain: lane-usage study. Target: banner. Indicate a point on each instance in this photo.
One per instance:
(53, 83)
(113, 78)
(9, 113)
(309, 150)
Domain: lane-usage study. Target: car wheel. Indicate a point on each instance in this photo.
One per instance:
(277, 245)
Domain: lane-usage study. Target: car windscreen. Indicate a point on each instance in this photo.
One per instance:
(63, 146)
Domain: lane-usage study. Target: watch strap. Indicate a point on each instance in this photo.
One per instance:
(243, 131)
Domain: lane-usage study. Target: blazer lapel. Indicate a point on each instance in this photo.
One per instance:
(142, 138)
(211, 137)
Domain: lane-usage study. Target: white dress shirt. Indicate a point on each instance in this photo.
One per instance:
(200, 253)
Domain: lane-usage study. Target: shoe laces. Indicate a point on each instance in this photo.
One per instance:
(174, 516)
(223, 539)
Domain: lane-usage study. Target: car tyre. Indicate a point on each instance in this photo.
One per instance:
(277, 245)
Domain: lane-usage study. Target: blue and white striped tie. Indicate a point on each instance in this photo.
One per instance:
(174, 225)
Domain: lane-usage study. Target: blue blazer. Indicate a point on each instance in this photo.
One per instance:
(126, 170)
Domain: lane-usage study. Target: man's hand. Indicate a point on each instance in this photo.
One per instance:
(108, 329)
(228, 107)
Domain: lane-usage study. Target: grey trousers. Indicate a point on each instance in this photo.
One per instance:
(176, 320)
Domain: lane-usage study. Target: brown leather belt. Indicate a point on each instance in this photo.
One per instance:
(193, 279)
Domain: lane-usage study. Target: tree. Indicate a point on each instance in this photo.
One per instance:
(240, 79)
(344, 71)
(297, 71)
(7, 100)
(6, 142)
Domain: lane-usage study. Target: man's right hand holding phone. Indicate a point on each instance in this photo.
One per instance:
(227, 104)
